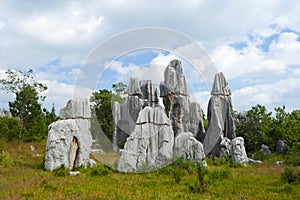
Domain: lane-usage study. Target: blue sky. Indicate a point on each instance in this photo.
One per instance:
(256, 45)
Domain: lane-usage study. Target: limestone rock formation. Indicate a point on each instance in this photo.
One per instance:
(76, 108)
(225, 147)
(150, 145)
(281, 146)
(220, 116)
(5, 113)
(184, 115)
(140, 94)
(265, 149)
(69, 140)
(195, 122)
(239, 154)
(188, 147)
(174, 80)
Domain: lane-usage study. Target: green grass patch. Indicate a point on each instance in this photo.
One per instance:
(24, 178)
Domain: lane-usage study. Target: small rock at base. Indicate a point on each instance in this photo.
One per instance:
(74, 173)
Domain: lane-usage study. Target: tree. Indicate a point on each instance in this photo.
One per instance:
(102, 106)
(102, 102)
(286, 125)
(27, 90)
(120, 89)
(256, 130)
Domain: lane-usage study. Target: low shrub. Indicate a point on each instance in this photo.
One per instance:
(60, 172)
(184, 164)
(218, 175)
(5, 159)
(99, 171)
(177, 175)
(290, 175)
(293, 157)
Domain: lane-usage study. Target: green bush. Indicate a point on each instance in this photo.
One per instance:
(5, 159)
(177, 175)
(293, 157)
(216, 161)
(184, 164)
(99, 171)
(290, 175)
(9, 128)
(261, 156)
(218, 175)
(60, 172)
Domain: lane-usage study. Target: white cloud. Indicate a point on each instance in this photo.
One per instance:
(2, 24)
(119, 68)
(33, 34)
(286, 49)
(282, 92)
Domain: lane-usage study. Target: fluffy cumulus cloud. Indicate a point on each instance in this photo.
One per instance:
(277, 94)
(55, 37)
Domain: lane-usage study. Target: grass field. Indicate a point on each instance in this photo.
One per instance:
(22, 177)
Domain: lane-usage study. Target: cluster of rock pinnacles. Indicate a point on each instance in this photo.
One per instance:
(153, 135)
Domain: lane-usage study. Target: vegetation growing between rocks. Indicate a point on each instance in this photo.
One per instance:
(23, 178)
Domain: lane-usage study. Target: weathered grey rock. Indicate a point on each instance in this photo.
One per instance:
(68, 144)
(5, 113)
(265, 149)
(148, 93)
(174, 80)
(124, 118)
(238, 151)
(281, 146)
(225, 147)
(140, 95)
(220, 85)
(92, 163)
(195, 122)
(96, 151)
(188, 147)
(220, 116)
(179, 112)
(74, 173)
(242, 117)
(251, 161)
(150, 145)
(76, 108)
(185, 116)
(279, 162)
(133, 88)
